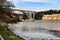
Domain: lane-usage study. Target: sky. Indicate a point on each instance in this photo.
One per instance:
(37, 5)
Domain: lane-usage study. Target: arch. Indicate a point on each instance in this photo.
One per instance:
(17, 12)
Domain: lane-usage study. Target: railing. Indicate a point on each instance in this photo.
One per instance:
(1, 38)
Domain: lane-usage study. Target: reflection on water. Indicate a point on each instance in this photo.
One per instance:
(34, 30)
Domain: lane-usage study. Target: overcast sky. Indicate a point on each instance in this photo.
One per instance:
(37, 5)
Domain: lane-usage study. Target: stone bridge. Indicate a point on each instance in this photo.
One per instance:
(30, 14)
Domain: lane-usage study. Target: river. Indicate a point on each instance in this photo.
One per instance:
(35, 30)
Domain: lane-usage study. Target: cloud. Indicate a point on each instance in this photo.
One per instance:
(35, 0)
(30, 0)
(16, 1)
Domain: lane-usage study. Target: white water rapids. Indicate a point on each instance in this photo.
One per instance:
(33, 30)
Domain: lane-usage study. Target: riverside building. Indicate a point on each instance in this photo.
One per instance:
(51, 17)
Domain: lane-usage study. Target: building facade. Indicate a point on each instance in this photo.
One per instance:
(51, 17)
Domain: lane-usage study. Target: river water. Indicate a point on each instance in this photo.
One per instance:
(35, 30)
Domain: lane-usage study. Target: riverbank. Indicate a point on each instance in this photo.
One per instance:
(8, 35)
(4, 31)
(41, 21)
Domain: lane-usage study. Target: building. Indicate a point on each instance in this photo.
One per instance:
(51, 17)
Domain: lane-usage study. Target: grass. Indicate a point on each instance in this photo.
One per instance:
(6, 35)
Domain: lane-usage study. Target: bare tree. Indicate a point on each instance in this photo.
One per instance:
(5, 6)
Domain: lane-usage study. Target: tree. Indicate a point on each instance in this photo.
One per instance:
(50, 12)
(59, 11)
(5, 6)
(25, 16)
(39, 15)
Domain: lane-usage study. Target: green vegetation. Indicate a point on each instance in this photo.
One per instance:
(39, 15)
(25, 16)
(6, 35)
